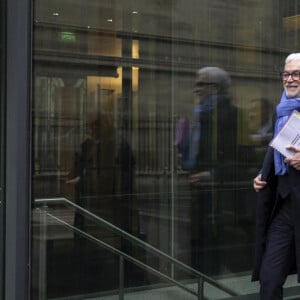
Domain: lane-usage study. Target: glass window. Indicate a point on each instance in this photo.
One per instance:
(150, 119)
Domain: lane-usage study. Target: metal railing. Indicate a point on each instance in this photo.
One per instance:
(202, 278)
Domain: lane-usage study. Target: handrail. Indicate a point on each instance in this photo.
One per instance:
(121, 253)
(138, 241)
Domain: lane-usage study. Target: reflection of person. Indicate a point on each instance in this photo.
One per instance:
(93, 171)
(84, 175)
(217, 119)
(213, 148)
(277, 250)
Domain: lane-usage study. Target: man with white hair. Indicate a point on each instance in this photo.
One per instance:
(277, 251)
(212, 165)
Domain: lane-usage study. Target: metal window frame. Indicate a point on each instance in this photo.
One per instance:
(17, 149)
(2, 132)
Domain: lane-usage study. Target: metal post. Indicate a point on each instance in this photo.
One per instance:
(121, 278)
(43, 254)
(200, 288)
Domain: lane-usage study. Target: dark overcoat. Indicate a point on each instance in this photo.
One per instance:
(266, 204)
(217, 144)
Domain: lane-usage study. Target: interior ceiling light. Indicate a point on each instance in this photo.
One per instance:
(109, 20)
(56, 14)
(134, 12)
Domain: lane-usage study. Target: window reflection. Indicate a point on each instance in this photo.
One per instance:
(112, 82)
(208, 149)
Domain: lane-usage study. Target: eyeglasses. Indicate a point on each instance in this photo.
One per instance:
(203, 83)
(295, 75)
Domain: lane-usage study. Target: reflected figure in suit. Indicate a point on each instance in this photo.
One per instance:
(84, 175)
(211, 164)
(93, 173)
(93, 177)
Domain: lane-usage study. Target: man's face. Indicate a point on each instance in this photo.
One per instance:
(203, 87)
(292, 86)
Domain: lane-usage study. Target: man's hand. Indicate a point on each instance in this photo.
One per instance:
(73, 180)
(199, 178)
(258, 184)
(294, 160)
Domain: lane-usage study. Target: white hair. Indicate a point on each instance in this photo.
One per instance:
(292, 56)
(218, 76)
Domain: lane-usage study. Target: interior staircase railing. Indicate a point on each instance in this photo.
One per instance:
(43, 204)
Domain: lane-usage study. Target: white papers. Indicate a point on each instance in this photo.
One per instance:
(288, 135)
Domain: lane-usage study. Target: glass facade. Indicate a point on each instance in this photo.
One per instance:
(150, 119)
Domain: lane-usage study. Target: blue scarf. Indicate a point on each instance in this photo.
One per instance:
(283, 110)
(208, 104)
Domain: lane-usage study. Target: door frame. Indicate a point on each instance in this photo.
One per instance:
(17, 149)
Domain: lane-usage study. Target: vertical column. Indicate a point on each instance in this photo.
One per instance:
(17, 194)
(125, 150)
(2, 81)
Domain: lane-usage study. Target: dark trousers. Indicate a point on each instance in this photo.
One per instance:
(279, 254)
